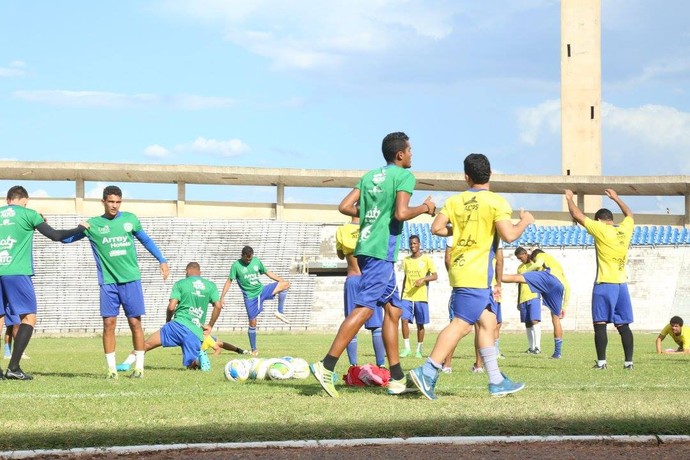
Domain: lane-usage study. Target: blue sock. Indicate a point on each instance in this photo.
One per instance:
(379, 348)
(352, 351)
(558, 343)
(251, 332)
(431, 368)
(281, 301)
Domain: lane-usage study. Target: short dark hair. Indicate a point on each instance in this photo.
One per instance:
(677, 320)
(414, 237)
(17, 192)
(478, 168)
(112, 190)
(520, 250)
(535, 253)
(247, 251)
(603, 214)
(392, 144)
(193, 265)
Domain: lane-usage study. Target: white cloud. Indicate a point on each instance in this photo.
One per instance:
(213, 147)
(656, 126)
(14, 69)
(156, 151)
(105, 99)
(533, 119)
(40, 193)
(313, 34)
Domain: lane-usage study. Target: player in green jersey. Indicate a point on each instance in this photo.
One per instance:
(112, 241)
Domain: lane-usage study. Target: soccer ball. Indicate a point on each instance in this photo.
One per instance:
(300, 368)
(236, 370)
(280, 370)
(260, 369)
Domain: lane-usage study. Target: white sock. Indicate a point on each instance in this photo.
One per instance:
(110, 362)
(407, 343)
(130, 359)
(139, 359)
(420, 345)
(530, 337)
(537, 335)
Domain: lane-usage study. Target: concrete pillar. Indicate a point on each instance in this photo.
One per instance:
(581, 91)
(280, 201)
(181, 197)
(79, 197)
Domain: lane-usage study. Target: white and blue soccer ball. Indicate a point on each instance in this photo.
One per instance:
(236, 370)
(280, 369)
(300, 368)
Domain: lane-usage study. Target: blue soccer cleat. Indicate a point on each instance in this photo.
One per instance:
(204, 362)
(425, 384)
(506, 387)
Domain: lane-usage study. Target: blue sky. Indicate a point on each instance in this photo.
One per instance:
(313, 84)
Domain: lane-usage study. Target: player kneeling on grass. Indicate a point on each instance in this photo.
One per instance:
(185, 320)
(679, 333)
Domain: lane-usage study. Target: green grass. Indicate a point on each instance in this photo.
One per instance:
(71, 404)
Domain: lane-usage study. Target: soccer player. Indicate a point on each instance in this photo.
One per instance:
(529, 305)
(547, 278)
(419, 270)
(478, 218)
(246, 271)
(610, 296)
(112, 241)
(383, 196)
(477, 367)
(345, 242)
(679, 333)
(185, 320)
(17, 268)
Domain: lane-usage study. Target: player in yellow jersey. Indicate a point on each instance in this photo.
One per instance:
(610, 296)
(478, 218)
(547, 278)
(679, 333)
(419, 270)
(529, 304)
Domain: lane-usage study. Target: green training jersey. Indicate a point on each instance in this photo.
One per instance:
(379, 231)
(194, 295)
(113, 247)
(17, 225)
(247, 276)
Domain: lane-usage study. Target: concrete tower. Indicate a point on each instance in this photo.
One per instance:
(581, 91)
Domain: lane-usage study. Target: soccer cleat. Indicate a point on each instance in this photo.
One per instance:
(137, 374)
(243, 352)
(111, 375)
(556, 355)
(446, 370)
(254, 352)
(325, 378)
(534, 351)
(405, 353)
(25, 356)
(502, 356)
(398, 387)
(425, 384)
(504, 388)
(418, 355)
(598, 367)
(17, 375)
(477, 369)
(628, 367)
(8, 356)
(204, 362)
(123, 367)
(281, 317)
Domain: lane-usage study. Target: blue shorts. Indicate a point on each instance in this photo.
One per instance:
(174, 334)
(549, 287)
(350, 293)
(377, 283)
(18, 295)
(450, 307)
(256, 305)
(611, 303)
(12, 319)
(530, 311)
(499, 313)
(470, 303)
(129, 295)
(417, 310)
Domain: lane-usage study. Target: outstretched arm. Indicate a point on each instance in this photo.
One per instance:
(217, 307)
(510, 232)
(575, 212)
(226, 288)
(659, 338)
(404, 212)
(61, 235)
(349, 204)
(614, 196)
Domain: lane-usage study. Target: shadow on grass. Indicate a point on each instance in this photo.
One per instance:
(238, 429)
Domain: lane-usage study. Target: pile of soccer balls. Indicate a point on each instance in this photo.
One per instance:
(287, 367)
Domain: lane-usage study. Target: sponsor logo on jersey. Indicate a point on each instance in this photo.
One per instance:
(104, 229)
(5, 258)
(9, 212)
(117, 241)
(7, 243)
(128, 226)
(117, 252)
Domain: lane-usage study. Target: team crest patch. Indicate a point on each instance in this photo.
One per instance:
(128, 227)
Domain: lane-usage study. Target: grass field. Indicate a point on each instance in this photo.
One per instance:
(71, 404)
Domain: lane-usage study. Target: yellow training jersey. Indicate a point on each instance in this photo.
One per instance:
(346, 238)
(525, 293)
(681, 340)
(415, 269)
(473, 214)
(611, 243)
